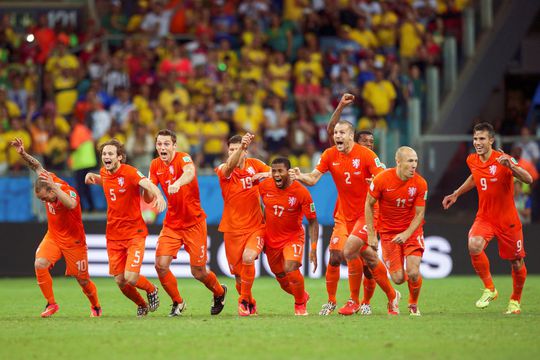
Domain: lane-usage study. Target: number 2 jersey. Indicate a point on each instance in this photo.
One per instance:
(283, 212)
(349, 172)
(65, 225)
(495, 185)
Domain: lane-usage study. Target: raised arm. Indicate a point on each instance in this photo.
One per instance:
(415, 223)
(520, 173)
(66, 200)
(187, 177)
(159, 201)
(309, 179)
(467, 186)
(30, 161)
(234, 160)
(372, 235)
(346, 99)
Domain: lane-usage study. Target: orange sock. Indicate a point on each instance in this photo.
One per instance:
(44, 281)
(414, 289)
(169, 283)
(131, 293)
(145, 285)
(90, 291)
(381, 277)
(480, 264)
(296, 281)
(238, 285)
(247, 277)
(332, 279)
(284, 283)
(212, 283)
(355, 278)
(518, 278)
(369, 288)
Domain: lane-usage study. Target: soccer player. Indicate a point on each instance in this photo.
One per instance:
(65, 235)
(285, 203)
(364, 138)
(126, 231)
(185, 222)
(492, 173)
(350, 165)
(242, 222)
(401, 194)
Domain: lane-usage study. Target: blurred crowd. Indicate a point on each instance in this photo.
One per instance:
(211, 68)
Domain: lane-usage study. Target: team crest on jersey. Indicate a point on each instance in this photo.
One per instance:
(121, 181)
(171, 169)
(411, 191)
(356, 163)
(292, 200)
(251, 170)
(492, 169)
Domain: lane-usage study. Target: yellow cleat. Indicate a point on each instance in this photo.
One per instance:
(487, 297)
(514, 307)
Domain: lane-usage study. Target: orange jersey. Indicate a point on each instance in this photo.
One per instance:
(184, 208)
(242, 202)
(65, 225)
(349, 172)
(283, 210)
(397, 199)
(124, 219)
(495, 186)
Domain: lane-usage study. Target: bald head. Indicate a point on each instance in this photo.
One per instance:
(406, 161)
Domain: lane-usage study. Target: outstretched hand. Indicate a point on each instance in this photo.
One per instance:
(18, 144)
(448, 201)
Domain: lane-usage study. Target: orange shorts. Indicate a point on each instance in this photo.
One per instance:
(340, 233)
(394, 254)
(510, 241)
(292, 251)
(76, 258)
(125, 255)
(194, 240)
(235, 244)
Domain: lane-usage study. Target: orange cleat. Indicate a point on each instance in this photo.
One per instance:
(350, 308)
(50, 309)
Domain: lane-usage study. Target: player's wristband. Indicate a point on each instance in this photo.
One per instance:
(313, 246)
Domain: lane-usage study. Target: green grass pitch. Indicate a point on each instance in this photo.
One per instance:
(450, 328)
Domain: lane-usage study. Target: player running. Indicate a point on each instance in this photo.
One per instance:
(242, 222)
(350, 165)
(65, 235)
(401, 194)
(126, 231)
(285, 203)
(492, 173)
(184, 225)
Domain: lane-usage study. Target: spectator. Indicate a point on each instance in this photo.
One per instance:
(275, 125)
(156, 22)
(249, 116)
(215, 132)
(140, 147)
(523, 203)
(121, 107)
(530, 149)
(81, 161)
(380, 93)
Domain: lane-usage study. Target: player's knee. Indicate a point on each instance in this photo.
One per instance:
(335, 258)
(370, 258)
(41, 264)
(291, 266)
(517, 264)
(199, 272)
(82, 282)
(413, 274)
(161, 269)
(120, 281)
(281, 275)
(248, 257)
(476, 245)
(397, 277)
